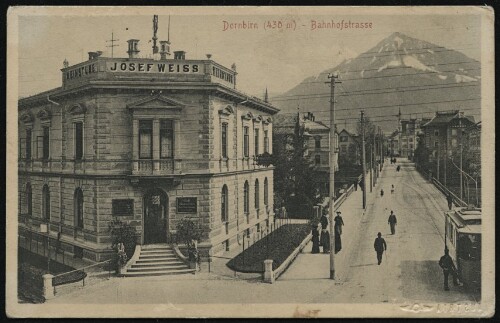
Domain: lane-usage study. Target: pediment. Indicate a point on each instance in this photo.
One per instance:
(44, 114)
(228, 110)
(27, 118)
(156, 102)
(247, 116)
(77, 109)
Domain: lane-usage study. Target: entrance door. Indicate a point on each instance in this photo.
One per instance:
(155, 217)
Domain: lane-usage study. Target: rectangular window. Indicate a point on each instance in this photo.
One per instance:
(42, 142)
(166, 139)
(145, 139)
(256, 133)
(453, 132)
(436, 144)
(245, 142)
(436, 132)
(28, 144)
(78, 140)
(266, 141)
(317, 159)
(224, 140)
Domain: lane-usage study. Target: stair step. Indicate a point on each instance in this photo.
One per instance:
(158, 264)
(160, 273)
(157, 252)
(163, 268)
(156, 247)
(141, 256)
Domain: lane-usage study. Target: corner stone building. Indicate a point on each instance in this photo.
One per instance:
(149, 142)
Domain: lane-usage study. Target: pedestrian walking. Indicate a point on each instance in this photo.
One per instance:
(315, 239)
(446, 263)
(392, 222)
(325, 235)
(381, 192)
(449, 198)
(392, 189)
(339, 222)
(398, 168)
(380, 246)
(355, 184)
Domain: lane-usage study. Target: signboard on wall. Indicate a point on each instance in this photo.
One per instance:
(187, 204)
(123, 207)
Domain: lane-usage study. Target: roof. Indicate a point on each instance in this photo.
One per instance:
(441, 118)
(468, 220)
(287, 121)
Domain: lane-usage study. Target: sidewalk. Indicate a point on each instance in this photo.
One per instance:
(308, 266)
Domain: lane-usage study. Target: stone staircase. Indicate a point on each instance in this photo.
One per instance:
(156, 260)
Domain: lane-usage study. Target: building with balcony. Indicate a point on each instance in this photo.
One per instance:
(148, 142)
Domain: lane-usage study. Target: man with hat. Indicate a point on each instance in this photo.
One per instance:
(338, 231)
(446, 263)
(380, 246)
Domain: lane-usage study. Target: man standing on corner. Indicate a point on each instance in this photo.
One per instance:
(380, 246)
(392, 222)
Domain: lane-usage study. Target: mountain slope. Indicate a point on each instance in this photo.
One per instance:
(400, 72)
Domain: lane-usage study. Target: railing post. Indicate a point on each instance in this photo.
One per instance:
(268, 271)
(48, 288)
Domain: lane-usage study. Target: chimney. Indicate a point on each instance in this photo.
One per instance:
(164, 49)
(94, 55)
(180, 54)
(132, 48)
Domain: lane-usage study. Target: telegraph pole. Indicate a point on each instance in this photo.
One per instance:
(461, 179)
(112, 41)
(375, 170)
(333, 80)
(371, 168)
(364, 156)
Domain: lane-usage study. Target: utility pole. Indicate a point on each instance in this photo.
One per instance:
(438, 162)
(375, 170)
(371, 168)
(112, 40)
(333, 80)
(461, 179)
(364, 156)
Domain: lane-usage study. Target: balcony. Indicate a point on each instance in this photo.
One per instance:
(147, 167)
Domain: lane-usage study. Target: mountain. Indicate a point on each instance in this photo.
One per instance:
(400, 72)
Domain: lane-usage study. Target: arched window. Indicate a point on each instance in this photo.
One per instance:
(257, 197)
(46, 203)
(224, 204)
(266, 192)
(29, 200)
(78, 200)
(246, 198)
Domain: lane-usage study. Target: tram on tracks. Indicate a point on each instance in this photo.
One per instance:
(463, 239)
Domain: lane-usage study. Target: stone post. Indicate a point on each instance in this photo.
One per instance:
(268, 271)
(48, 289)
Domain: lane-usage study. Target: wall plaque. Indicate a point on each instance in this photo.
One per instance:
(123, 207)
(187, 204)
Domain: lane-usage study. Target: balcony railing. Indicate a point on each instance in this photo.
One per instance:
(154, 166)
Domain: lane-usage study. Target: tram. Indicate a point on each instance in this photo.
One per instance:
(463, 239)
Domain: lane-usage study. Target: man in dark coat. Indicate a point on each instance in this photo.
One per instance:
(446, 263)
(380, 246)
(315, 239)
(392, 222)
(449, 199)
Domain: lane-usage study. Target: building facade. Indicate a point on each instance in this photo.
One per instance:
(148, 142)
(349, 150)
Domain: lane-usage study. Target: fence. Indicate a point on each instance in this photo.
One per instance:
(50, 282)
(441, 187)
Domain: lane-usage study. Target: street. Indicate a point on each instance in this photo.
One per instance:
(409, 270)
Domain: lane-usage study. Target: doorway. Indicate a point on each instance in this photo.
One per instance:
(155, 217)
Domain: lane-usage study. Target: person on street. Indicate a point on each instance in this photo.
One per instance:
(446, 263)
(339, 222)
(449, 199)
(325, 235)
(315, 239)
(392, 222)
(381, 192)
(380, 246)
(392, 189)
(398, 168)
(355, 184)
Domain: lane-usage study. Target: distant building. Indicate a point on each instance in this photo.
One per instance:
(318, 143)
(445, 131)
(349, 151)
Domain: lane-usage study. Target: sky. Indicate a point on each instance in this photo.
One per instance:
(277, 59)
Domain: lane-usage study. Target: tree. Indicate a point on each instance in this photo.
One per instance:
(294, 175)
(189, 233)
(369, 130)
(422, 153)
